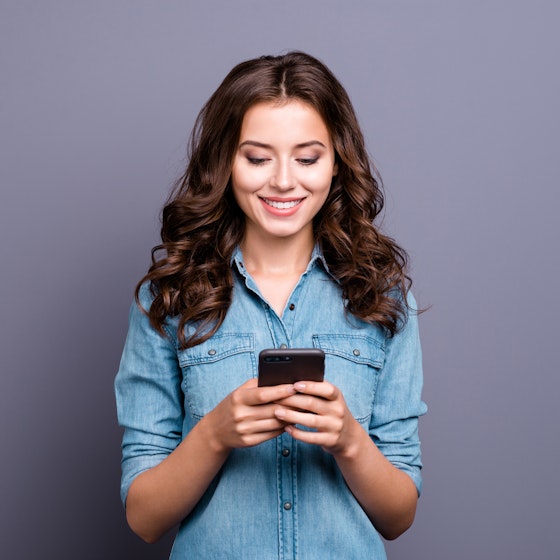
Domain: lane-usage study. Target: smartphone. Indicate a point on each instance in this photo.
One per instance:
(288, 365)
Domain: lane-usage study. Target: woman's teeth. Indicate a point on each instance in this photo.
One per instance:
(282, 205)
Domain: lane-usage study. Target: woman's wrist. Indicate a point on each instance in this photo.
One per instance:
(354, 442)
(211, 436)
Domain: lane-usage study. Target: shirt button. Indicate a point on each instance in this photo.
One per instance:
(286, 452)
(356, 352)
(287, 506)
(292, 307)
(283, 345)
(212, 352)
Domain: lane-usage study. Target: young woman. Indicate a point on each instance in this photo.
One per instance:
(268, 241)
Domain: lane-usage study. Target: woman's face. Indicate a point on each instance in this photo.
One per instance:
(283, 169)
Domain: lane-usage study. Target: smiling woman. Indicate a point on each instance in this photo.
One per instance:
(269, 241)
(282, 174)
(281, 177)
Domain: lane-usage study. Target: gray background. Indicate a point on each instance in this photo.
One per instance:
(459, 103)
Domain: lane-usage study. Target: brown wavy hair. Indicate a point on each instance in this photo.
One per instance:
(191, 277)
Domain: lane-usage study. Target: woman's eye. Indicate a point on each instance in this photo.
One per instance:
(308, 161)
(256, 161)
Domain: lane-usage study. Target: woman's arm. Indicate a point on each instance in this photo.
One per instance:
(164, 495)
(387, 495)
(163, 477)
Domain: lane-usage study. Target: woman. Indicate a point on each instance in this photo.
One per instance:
(268, 241)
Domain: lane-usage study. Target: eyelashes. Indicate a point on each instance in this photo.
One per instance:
(256, 161)
(308, 161)
(303, 161)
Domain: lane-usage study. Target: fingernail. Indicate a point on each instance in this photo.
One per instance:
(299, 386)
(280, 413)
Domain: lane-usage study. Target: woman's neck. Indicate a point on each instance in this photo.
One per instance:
(277, 256)
(276, 266)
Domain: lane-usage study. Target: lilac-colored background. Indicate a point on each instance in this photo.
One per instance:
(460, 105)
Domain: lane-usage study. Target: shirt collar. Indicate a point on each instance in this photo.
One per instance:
(316, 257)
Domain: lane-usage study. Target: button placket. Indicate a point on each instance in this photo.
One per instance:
(287, 489)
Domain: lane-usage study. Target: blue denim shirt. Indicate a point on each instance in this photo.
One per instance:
(281, 499)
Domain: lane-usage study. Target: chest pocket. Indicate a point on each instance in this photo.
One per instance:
(353, 364)
(215, 368)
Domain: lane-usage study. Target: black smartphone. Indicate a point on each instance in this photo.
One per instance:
(288, 365)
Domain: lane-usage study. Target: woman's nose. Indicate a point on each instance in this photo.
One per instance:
(283, 178)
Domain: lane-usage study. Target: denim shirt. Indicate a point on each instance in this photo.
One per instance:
(281, 499)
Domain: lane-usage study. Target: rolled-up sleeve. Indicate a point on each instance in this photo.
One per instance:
(148, 396)
(398, 404)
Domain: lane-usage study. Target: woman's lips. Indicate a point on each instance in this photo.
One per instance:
(282, 204)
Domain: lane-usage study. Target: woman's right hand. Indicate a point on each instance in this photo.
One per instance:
(246, 416)
(162, 496)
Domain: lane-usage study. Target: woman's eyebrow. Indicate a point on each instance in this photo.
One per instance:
(269, 147)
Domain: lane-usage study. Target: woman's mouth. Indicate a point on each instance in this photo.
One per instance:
(282, 204)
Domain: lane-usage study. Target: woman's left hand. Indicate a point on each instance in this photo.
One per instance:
(387, 494)
(319, 406)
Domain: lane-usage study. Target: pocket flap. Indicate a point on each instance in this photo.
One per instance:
(360, 349)
(217, 348)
